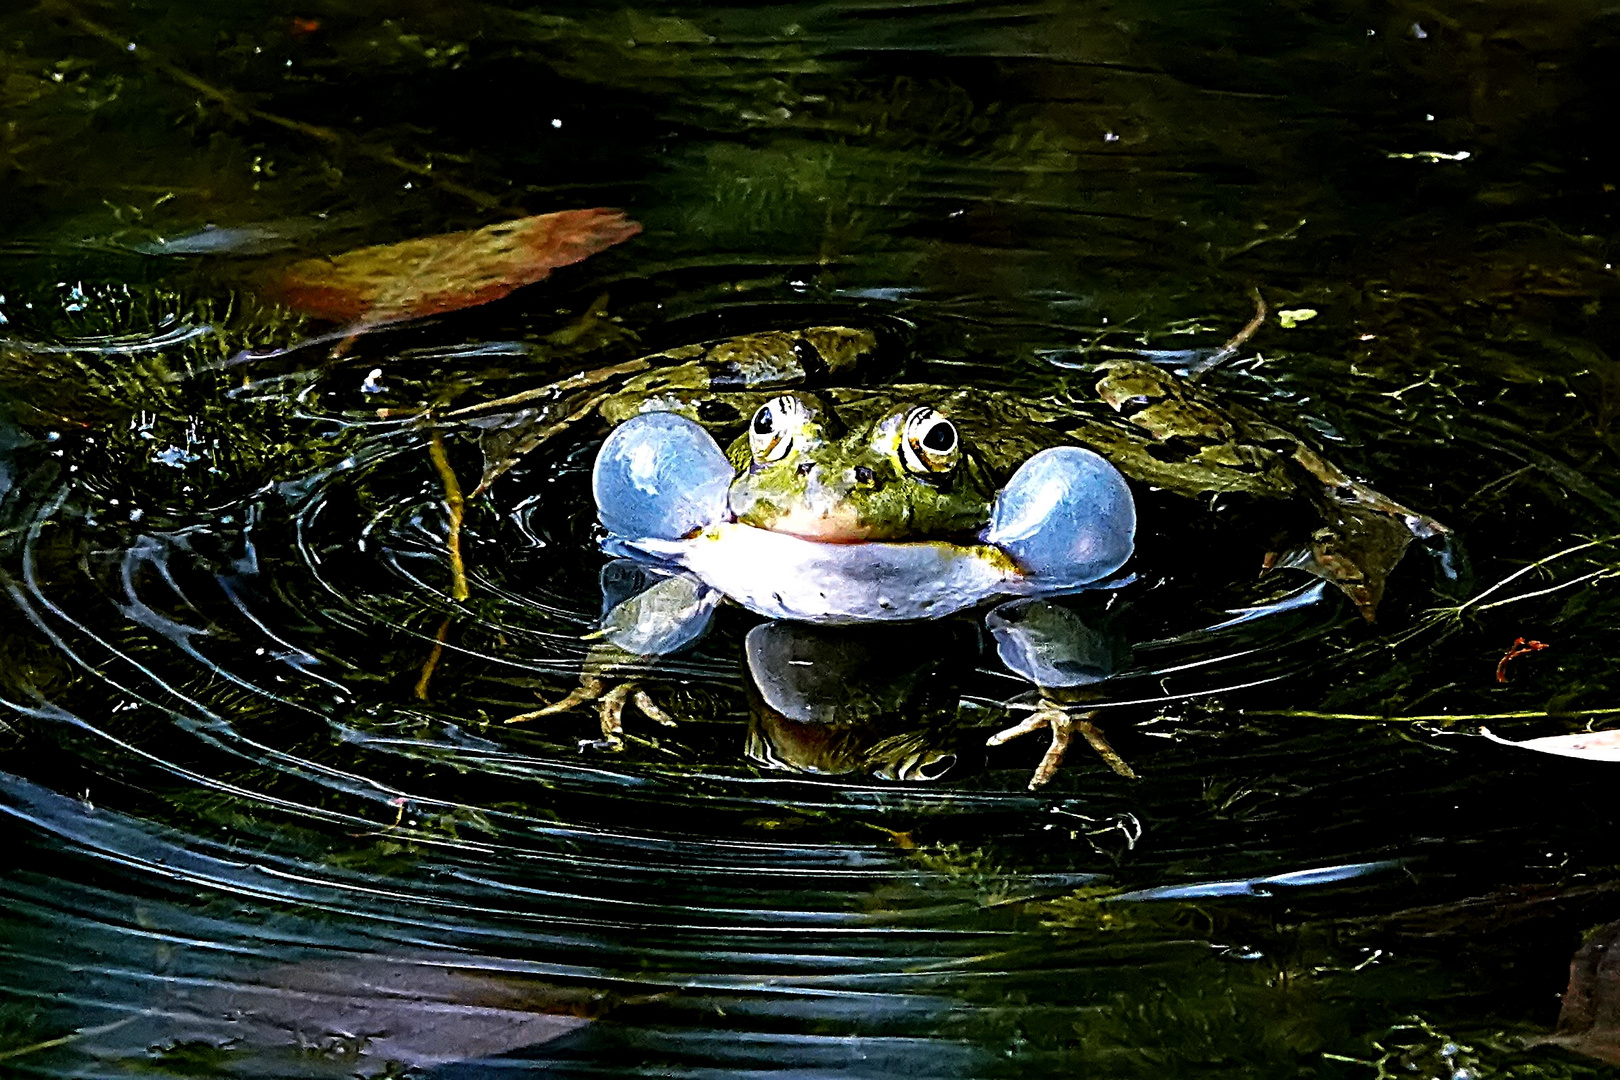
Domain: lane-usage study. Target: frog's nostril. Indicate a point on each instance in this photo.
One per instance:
(805, 467)
(864, 475)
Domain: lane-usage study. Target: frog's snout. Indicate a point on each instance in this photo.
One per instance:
(860, 476)
(834, 486)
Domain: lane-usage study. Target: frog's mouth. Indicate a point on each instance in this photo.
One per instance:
(829, 508)
(832, 522)
(831, 528)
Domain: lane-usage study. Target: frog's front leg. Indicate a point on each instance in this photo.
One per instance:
(650, 612)
(1063, 652)
(1063, 721)
(661, 476)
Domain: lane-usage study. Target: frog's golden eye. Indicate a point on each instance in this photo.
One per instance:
(929, 443)
(771, 431)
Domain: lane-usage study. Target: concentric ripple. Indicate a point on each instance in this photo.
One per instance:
(260, 771)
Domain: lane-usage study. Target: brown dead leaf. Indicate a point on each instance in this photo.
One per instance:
(1587, 745)
(391, 283)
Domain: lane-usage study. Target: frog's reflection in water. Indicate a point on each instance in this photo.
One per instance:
(882, 700)
(858, 699)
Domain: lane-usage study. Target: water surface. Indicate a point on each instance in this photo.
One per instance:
(265, 816)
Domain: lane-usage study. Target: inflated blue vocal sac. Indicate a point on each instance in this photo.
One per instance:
(1063, 522)
(659, 476)
(1066, 517)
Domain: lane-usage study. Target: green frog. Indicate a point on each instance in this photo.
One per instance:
(841, 504)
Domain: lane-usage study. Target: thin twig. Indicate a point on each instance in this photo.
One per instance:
(456, 507)
(1595, 574)
(1237, 341)
(1538, 564)
(1500, 481)
(431, 664)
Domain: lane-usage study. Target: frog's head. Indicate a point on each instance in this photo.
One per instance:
(898, 472)
(819, 519)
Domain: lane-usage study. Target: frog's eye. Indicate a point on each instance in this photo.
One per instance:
(771, 432)
(929, 443)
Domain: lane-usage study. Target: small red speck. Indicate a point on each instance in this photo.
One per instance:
(303, 27)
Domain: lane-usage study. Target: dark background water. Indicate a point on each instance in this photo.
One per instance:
(240, 843)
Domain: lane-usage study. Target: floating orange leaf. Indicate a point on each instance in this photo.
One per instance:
(393, 283)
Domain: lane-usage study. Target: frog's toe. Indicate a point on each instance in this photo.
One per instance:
(660, 476)
(610, 704)
(1066, 517)
(650, 709)
(1034, 722)
(1049, 716)
(1099, 742)
(610, 710)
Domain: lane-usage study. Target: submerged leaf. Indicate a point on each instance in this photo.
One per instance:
(1589, 1022)
(1588, 745)
(421, 1013)
(391, 283)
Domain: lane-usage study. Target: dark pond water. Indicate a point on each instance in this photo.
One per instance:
(263, 814)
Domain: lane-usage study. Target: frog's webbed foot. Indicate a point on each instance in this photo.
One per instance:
(610, 704)
(1063, 723)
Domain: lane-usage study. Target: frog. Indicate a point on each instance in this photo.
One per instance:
(757, 470)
